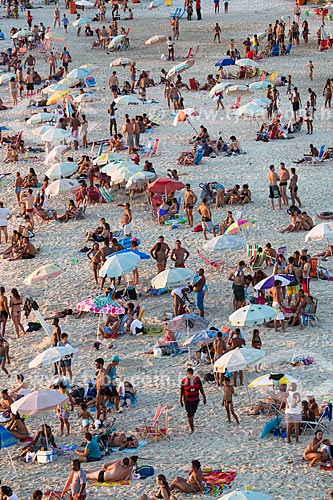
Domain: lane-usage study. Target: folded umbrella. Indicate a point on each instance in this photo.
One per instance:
(156, 39)
(52, 355)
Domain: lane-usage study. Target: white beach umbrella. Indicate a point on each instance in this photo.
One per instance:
(55, 87)
(322, 231)
(219, 87)
(83, 20)
(87, 97)
(179, 68)
(154, 4)
(174, 276)
(245, 495)
(250, 110)
(156, 39)
(105, 158)
(62, 169)
(61, 186)
(224, 243)
(55, 134)
(121, 61)
(79, 73)
(43, 273)
(40, 118)
(260, 85)
(262, 101)
(119, 264)
(139, 177)
(113, 168)
(23, 33)
(41, 130)
(38, 402)
(115, 40)
(6, 77)
(56, 153)
(251, 315)
(84, 3)
(239, 91)
(128, 99)
(52, 355)
(239, 359)
(247, 62)
(55, 37)
(122, 175)
(260, 36)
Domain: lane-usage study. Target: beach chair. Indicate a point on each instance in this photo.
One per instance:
(196, 51)
(147, 148)
(182, 13)
(288, 49)
(259, 262)
(218, 265)
(176, 13)
(319, 158)
(262, 76)
(90, 82)
(252, 249)
(193, 84)
(312, 316)
(189, 53)
(153, 431)
(275, 51)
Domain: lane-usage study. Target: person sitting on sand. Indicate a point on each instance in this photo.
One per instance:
(6, 401)
(40, 441)
(209, 84)
(193, 484)
(91, 452)
(226, 223)
(163, 490)
(121, 441)
(317, 449)
(114, 471)
(326, 253)
(31, 180)
(26, 251)
(245, 195)
(234, 146)
(70, 213)
(16, 426)
(126, 394)
(20, 389)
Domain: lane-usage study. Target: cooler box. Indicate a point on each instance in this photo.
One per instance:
(45, 457)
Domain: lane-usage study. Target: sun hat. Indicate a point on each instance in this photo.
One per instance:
(116, 358)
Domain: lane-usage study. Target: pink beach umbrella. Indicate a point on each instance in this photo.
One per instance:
(110, 307)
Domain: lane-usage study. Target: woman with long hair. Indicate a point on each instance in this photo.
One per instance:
(15, 303)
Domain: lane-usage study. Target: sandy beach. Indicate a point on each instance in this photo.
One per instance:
(269, 465)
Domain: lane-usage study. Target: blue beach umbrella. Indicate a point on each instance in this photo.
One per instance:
(142, 255)
(7, 440)
(226, 61)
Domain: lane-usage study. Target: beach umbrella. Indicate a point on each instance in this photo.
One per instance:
(165, 185)
(179, 68)
(62, 169)
(246, 495)
(187, 323)
(239, 359)
(79, 73)
(251, 315)
(322, 231)
(84, 3)
(142, 255)
(87, 97)
(89, 66)
(52, 355)
(239, 90)
(272, 378)
(6, 77)
(172, 277)
(117, 265)
(115, 166)
(101, 305)
(268, 282)
(61, 186)
(250, 110)
(40, 118)
(41, 130)
(219, 87)
(55, 134)
(224, 243)
(43, 273)
(121, 61)
(198, 338)
(83, 20)
(262, 101)
(122, 175)
(38, 402)
(56, 153)
(23, 33)
(66, 81)
(55, 37)
(128, 99)
(7, 440)
(57, 96)
(226, 61)
(260, 36)
(116, 40)
(183, 115)
(238, 225)
(261, 85)
(55, 87)
(105, 158)
(154, 4)
(139, 177)
(156, 39)
(247, 62)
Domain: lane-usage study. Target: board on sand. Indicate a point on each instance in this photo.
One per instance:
(270, 426)
(42, 321)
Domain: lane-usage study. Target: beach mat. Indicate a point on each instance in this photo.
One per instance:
(131, 450)
(218, 483)
(111, 485)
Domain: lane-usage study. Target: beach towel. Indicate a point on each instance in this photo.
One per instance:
(111, 485)
(132, 450)
(218, 482)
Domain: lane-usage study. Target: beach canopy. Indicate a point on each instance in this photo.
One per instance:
(101, 305)
(219, 87)
(23, 33)
(84, 3)
(246, 495)
(261, 101)
(87, 97)
(268, 282)
(105, 158)
(240, 90)
(40, 118)
(138, 178)
(52, 355)
(224, 243)
(154, 4)
(56, 153)
(156, 39)
(6, 438)
(187, 323)
(117, 265)
(38, 402)
(226, 61)
(165, 185)
(79, 22)
(269, 379)
(252, 315)
(43, 273)
(172, 277)
(55, 87)
(142, 255)
(55, 134)
(116, 166)
(322, 231)
(179, 68)
(41, 130)
(61, 169)
(261, 85)
(79, 73)
(200, 337)
(61, 186)
(239, 359)
(121, 61)
(128, 99)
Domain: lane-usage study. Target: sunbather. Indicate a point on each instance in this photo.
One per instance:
(114, 471)
(193, 484)
(163, 490)
(121, 441)
(317, 449)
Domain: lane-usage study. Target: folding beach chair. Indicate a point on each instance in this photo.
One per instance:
(218, 265)
(259, 262)
(288, 49)
(313, 315)
(189, 53)
(252, 249)
(196, 51)
(314, 268)
(176, 13)
(153, 431)
(193, 84)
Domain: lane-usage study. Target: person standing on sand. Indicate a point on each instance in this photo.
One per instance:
(4, 354)
(15, 303)
(220, 348)
(18, 183)
(206, 218)
(126, 219)
(5, 215)
(199, 288)
(198, 9)
(238, 279)
(274, 191)
(190, 200)
(276, 293)
(228, 392)
(310, 69)
(179, 254)
(160, 252)
(284, 178)
(293, 411)
(56, 17)
(217, 33)
(191, 387)
(294, 188)
(66, 361)
(216, 6)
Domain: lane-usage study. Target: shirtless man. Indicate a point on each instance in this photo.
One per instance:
(179, 254)
(238, 279)
(284, 178)
(121, 441)
(126, 219)
(101, 255)
(219, 349)
(113, 83)
(160, 252)
(312, 451)
(112, 471)
(228, 392)
(102, 380)
(276, 293)
(294, 188)
(206, 218)
(174, 95)
(26, 251)
(52, 60)
(193, 484)
(306, 268)
(274, 191)
(18, 183)
(27, 204)
(190, 200)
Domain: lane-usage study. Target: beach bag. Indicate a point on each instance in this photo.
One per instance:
(197, 228)
(145, 471)
(33, 326)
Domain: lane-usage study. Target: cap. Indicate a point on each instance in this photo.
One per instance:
(304, 249)
(116, 358)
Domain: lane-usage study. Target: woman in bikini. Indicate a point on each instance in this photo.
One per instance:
(95, 264)
(15, 303)
(163, 492)
(4, 356)
(4, 311)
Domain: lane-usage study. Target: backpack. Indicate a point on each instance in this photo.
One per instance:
(145, 471)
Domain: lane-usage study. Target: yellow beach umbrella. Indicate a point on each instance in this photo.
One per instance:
(56, 97)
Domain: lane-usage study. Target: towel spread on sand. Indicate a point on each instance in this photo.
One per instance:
(217, 483)
(132, 450)
(111, 485)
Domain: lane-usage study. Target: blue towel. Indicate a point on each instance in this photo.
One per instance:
(132, 450)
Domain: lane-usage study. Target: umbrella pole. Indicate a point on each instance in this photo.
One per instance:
(191, 125)
(248, 392)
(12, 463)
(47, 441)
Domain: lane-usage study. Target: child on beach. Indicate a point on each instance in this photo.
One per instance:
(63, 410)
(86, 417)
(256, 344)
(228, 392)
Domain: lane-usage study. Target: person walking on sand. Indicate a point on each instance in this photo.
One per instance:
(310, 67)
(228, 392)
(276, 293)
(190, 200)
(217, 33)
(56, 17)
(293, 411)
(190, 389)
(274, 192)
(198, 9)
(206, 218)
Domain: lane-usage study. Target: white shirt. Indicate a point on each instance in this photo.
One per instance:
(136, 323)
(4, 215)
(13, 497)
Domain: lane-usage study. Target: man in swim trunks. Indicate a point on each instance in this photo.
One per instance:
(206, 218)
(112, 471)
(274, 191)
(190, 389)
(126, 219)
(193, 484)
(238, 279)
(114, 84)
(179, 254)
(190, 200)
(276, 293)
(284, 178)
